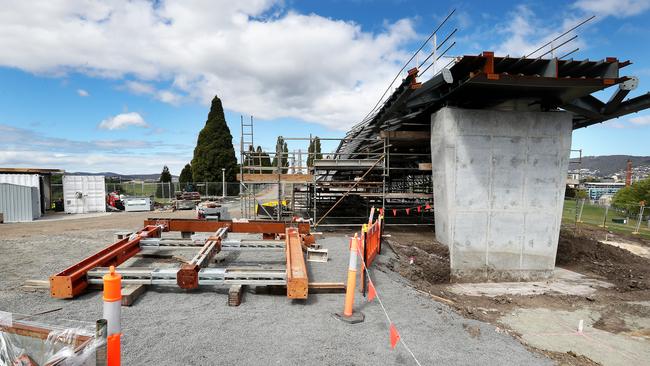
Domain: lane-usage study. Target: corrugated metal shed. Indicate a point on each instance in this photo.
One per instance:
(29, 180)
(19, 203)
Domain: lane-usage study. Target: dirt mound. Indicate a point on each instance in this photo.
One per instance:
(421, 261)
(628, 271)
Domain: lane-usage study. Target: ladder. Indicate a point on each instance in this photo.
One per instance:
(247, 198)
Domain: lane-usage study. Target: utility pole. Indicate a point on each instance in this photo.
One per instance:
(223, 182)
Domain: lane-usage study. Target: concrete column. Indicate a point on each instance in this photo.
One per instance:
(499, 180)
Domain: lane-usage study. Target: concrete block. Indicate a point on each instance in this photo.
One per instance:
(499, 179)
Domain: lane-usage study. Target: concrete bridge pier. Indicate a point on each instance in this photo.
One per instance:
(499, 179)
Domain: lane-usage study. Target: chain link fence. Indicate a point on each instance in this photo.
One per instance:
(630, 219)
(162, 192)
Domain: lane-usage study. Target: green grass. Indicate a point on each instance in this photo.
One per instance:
(593, 215)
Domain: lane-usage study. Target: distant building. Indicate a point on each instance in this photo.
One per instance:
(597, 189)
(605, 200)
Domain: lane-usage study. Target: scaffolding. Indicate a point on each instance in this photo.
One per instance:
(392, 172)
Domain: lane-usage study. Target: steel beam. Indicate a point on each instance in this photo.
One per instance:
(188, 275)
(72, 281)
(226, 245)
(207, 276)
(250, 226)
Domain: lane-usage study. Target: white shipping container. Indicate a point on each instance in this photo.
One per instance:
(84, 193)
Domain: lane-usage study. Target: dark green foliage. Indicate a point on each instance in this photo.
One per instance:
(262, 159)
(214, 150)
(281, 153)
(628, 198)
(185, 179)
(266, 162)
(249, 160)
(164, 189)
(314, 151)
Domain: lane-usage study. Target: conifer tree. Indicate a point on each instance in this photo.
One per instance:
(214, 150)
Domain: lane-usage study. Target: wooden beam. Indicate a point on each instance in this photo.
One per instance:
(235, 294)
(327, 287)
(406, 135)
(422, 196)
(297, 281)
(130, 293)
(424, 166)
(273, 178)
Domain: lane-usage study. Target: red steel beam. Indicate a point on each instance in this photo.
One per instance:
(188, 276)
(72, 281)
(252, 226)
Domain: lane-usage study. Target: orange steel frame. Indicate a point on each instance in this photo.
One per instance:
(72, 281)
(251, 226)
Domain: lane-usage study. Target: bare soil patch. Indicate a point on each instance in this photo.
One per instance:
(425, 263)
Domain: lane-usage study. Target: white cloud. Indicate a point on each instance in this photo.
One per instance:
(640, 120)
(524, 32)
(120, 155)
(615, 8)
(94, 162)
(258, 57)
(83, 93)
(123, 120)
(138, 87)
(632, 122)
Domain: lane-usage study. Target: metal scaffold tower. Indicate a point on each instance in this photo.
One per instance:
(246, 193)
(337, 189)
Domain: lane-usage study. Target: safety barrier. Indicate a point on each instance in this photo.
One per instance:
(367, 247)
(370, 244)
(112, 314)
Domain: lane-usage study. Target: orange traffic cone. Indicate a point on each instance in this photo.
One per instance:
(349, 315)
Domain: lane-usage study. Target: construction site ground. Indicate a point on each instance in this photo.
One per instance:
(170, 327)
(601, 278)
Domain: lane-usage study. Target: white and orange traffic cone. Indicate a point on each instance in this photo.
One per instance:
(349, 315)
(112, 313)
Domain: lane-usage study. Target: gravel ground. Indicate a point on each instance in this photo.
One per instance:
(170, 327)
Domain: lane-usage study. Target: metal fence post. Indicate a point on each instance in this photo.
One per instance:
(605, 217)
(638, 221)
(582, 206)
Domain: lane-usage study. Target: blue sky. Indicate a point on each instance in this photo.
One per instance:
(126, 86)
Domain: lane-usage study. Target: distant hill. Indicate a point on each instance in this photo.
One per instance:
(123, 176)
(609, 164)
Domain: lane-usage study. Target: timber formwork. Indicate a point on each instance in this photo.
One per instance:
(287, 238)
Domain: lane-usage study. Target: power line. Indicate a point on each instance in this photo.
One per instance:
(438, 58)
(407, 62)
(558, 46)
(437, 48)
(560, 36)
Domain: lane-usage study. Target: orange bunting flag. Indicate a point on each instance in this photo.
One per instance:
(394, 212)
(394, 336)
(371, 291)
(419, 208)
(408, 211)
(427, 207)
